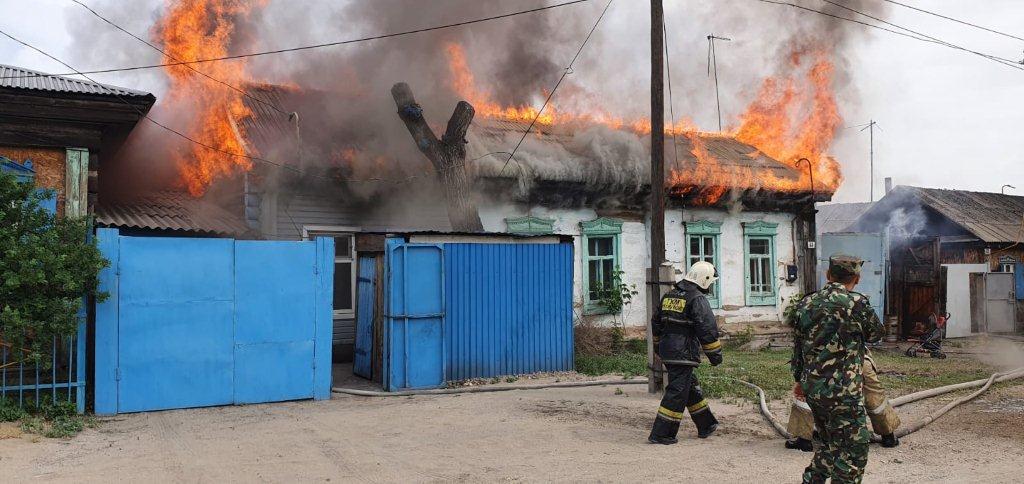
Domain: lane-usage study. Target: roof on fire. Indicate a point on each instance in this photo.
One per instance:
(170, 210)
(12, 77)
(992, 217)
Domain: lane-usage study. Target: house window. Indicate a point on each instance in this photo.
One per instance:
(702, 245)
(759, 269)
(344, 272)
(530, 226)
(1006, 264)
(601, 252)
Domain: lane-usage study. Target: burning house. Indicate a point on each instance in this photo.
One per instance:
(950, 251)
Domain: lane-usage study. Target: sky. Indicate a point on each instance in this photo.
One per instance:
(946, 118)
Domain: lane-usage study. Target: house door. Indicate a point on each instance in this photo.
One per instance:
(1000, 302)
(871, 248)
(415, 316)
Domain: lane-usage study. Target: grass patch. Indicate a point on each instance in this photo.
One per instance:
(58, 420)
(770, 371)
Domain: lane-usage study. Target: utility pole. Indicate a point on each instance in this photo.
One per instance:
(713, 66)
(871, 130)
(657, 181)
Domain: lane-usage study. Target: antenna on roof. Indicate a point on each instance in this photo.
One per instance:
(713, 67)
(871, 126)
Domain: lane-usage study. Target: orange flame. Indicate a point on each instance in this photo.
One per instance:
(792, 118)
(198, 29)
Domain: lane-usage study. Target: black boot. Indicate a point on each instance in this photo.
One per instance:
(705, 421)
(890, 440)
(800, 444)
(664, 431)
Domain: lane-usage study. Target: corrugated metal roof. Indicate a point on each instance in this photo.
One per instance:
(169, 210)
(28, 79)
(992, 217)
(837, 217)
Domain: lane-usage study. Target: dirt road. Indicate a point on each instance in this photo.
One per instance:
(583, 434)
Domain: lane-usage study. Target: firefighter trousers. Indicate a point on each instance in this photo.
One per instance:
(683, 393)
(884, 419)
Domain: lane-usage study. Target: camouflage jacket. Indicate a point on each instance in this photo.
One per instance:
(830, 328)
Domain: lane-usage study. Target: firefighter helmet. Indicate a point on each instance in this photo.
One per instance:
(702, 274)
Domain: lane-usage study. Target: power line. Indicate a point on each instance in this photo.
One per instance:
(566, 72)
(926, 36)
(671, 102)
(955, 20)
(169, 56)
(315, 46)
(1000, 60)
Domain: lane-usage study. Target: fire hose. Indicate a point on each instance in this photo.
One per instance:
(984, 383)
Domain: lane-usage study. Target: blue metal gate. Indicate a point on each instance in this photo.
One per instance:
(476, 310)
(194, 322)
(870, 247)
(362, 358)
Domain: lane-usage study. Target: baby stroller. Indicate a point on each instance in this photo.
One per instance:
(930, 343)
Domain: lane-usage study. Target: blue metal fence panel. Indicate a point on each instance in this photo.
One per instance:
(868, 246)
(362, 361)
(273, 290)
(1018, 272)
(195, 322)
(509, 309)
(176, 323)
(415, 320)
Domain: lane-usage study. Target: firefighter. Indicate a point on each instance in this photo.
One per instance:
(883, 417)
(683, 325)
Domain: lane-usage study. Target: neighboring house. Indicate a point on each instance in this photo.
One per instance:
(585, 181)
(838, 217)
(952, 251)
(56, 131)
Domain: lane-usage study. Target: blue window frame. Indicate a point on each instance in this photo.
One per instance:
(759, 266)
(601, 255)
(702, 244)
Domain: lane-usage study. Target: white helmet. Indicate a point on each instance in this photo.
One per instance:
(702, 274)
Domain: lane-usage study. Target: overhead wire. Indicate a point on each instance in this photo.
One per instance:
(1001, 60)
(314, 46)
(1006, 62)
(1004, 34)
(566, 72)
(671, 102)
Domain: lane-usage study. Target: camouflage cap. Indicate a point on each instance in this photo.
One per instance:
(844, 265)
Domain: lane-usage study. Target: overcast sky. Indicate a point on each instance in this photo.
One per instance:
(948, 119)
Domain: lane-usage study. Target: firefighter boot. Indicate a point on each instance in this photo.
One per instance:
(664, 431)
(890, 440)
(801, 444)
(703, 418)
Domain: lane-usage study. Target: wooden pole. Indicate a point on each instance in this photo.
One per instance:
(657, 175)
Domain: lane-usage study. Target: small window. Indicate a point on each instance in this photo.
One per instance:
(759, 270)
(705, 248)
(600, 260)
(344, 273)
(1007, 264)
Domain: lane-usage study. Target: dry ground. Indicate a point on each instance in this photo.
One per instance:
(582, 434)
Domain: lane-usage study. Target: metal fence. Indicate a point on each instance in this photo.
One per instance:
(60, 378)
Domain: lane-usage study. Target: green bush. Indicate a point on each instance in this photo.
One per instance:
(10, 412)
(65, 427)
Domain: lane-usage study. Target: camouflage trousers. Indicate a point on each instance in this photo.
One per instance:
(884, 419)
(842, 451)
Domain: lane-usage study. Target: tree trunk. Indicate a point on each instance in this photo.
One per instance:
(448, 155)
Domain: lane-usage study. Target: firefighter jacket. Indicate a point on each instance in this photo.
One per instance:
(683, 325)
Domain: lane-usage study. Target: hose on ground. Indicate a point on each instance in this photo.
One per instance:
(984, 383)
(487, 389)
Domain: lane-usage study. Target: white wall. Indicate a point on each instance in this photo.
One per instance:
(958, 297)
(635, 246)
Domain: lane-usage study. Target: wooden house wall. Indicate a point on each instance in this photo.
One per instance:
(49, 164)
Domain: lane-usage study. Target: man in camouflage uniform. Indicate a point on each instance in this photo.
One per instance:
(830, 328)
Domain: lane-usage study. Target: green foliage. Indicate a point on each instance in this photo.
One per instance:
(617, 295)
(791, 306)
(10, 411)
(739, 339)
(628, 364)
(46, 266)
(33, 425)
(65, 427)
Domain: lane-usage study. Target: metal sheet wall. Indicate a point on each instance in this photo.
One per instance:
(508, 309)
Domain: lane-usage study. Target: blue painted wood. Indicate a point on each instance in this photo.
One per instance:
(106, 328)
(362, 362)
(416, 305)
(176, 323)
(1018, 276)
(324, 318)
